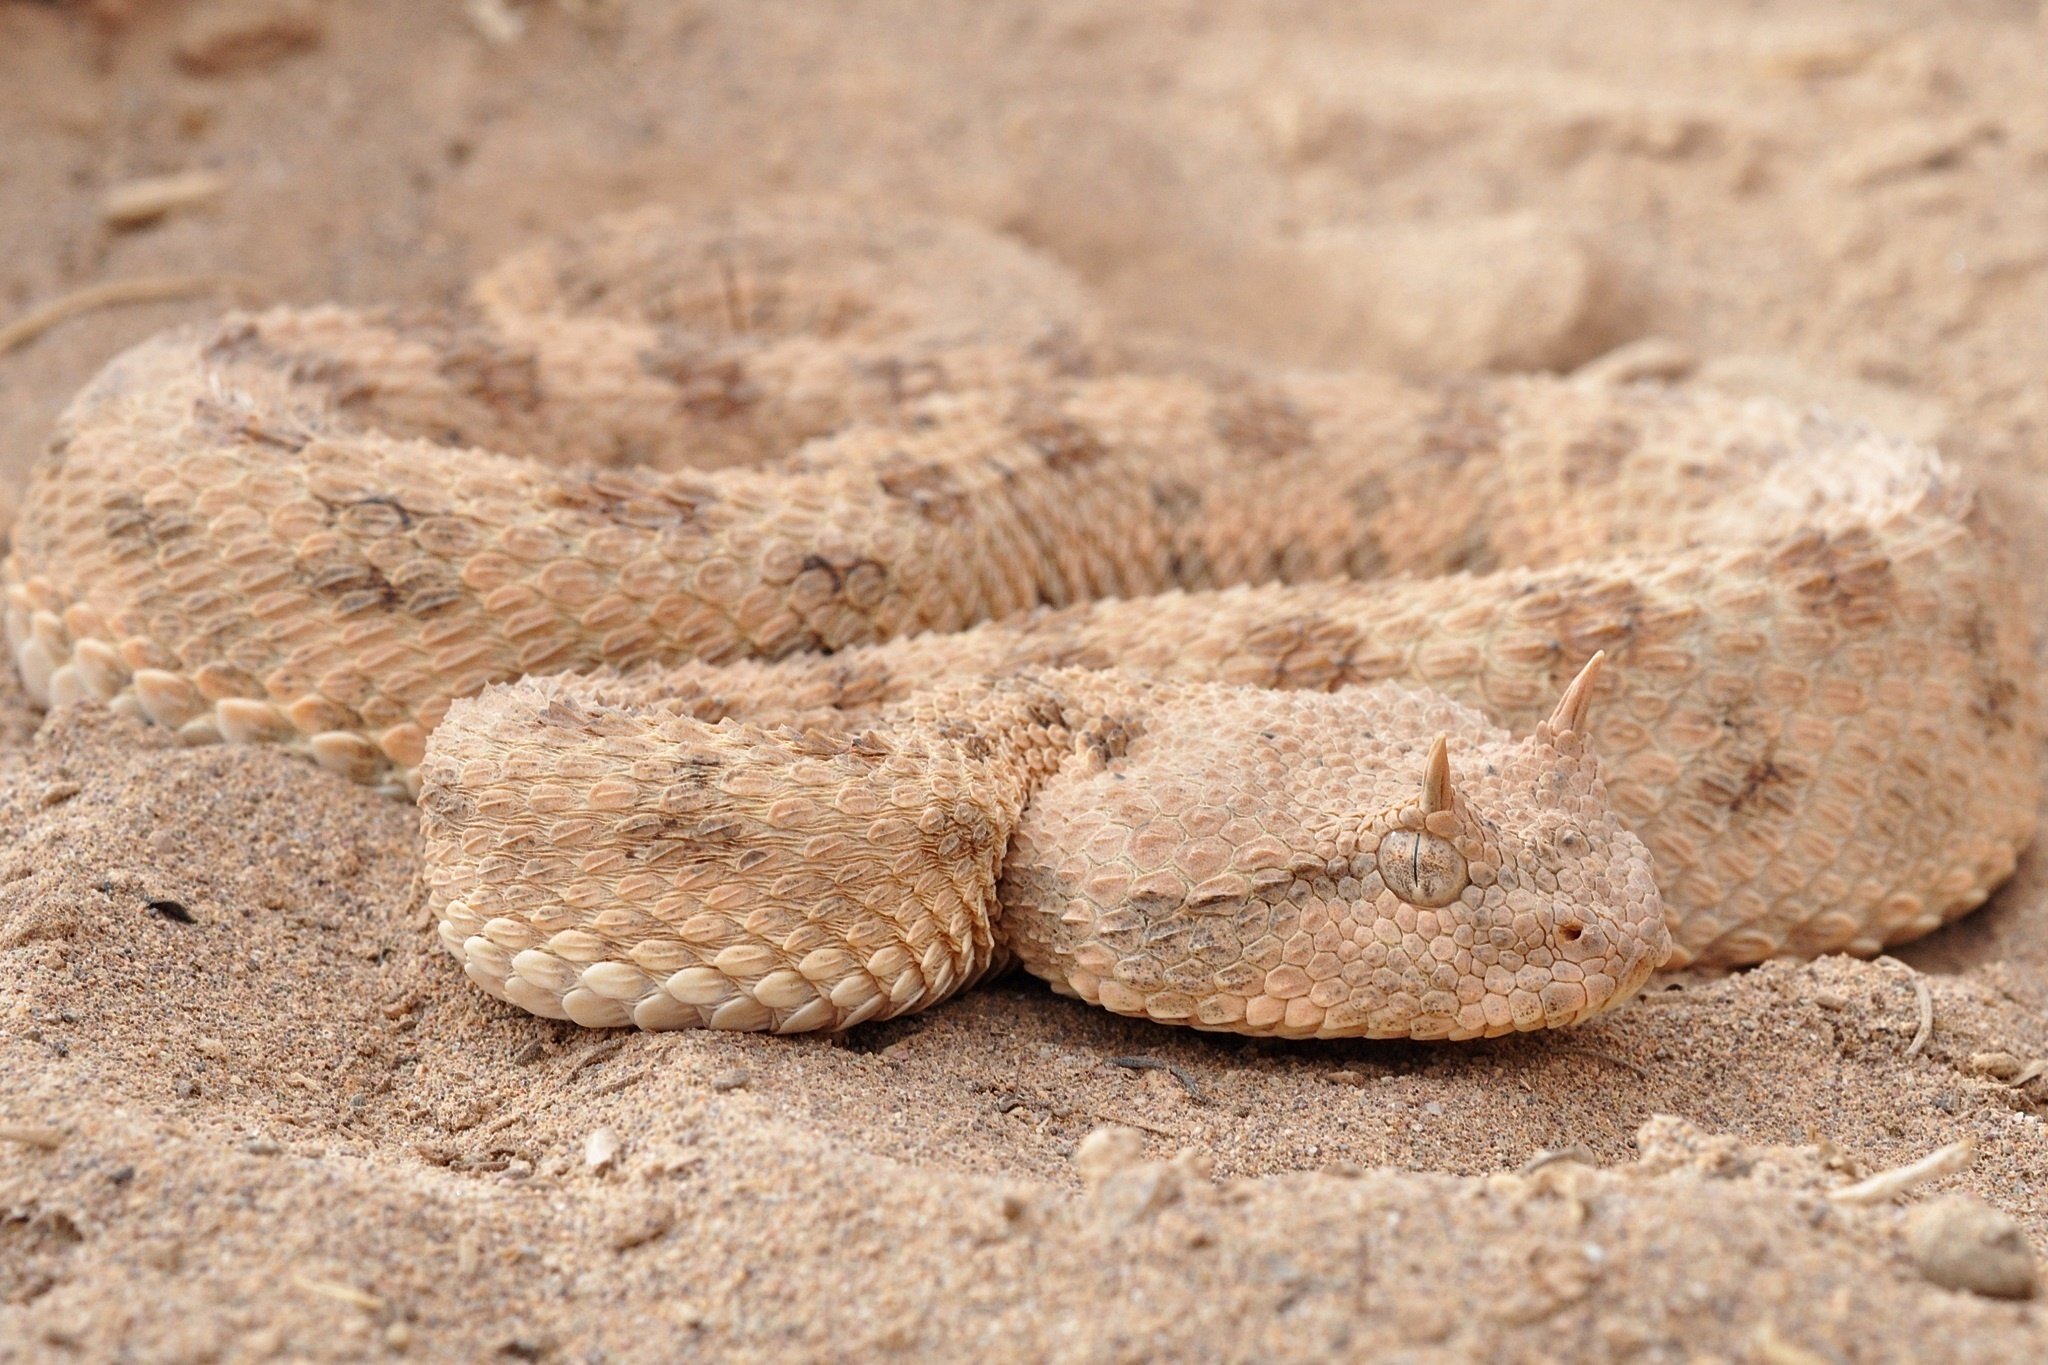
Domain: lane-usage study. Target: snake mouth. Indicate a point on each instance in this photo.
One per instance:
(1550, 966)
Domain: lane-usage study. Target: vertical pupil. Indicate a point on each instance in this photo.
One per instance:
(1421, 868)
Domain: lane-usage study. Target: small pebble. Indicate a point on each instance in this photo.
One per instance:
(601, 1149)
(1897, 153)
(1960, 1243)
(730, 1080)
(263, 1343)
(1108, 1150)
(640, 1230)
(262, 1147)
(1817, 56)
(138, 203)
(2002, 1066)
(1406, 296)
(239, 35)
(497, 22)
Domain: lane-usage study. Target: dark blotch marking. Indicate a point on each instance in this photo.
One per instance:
(293, 440)
(1367, 499)
(357, 587)
(422, 588)
(972, 742)
(1761, 784)
(815, 561)
(338, 507)
(709, 386)
(712, 831)
(1306, 651)
(1064, 444)
(1108, 737)
(627, 498)
(1261, 425)
(478, 365)
(1067, 355)
(232, 341)
(1596, 457)
(243, 343)
(430, 600)
(860, 582)
(1998, 696)
(1472, 552)
(906, 381)
(869, 747)
(126, 519)
(1995, 708)
(694, 772)
(342, 381)
(1762, 773)
(931, 489)
(1840, 578)
(1466, 425)
(1176, 500)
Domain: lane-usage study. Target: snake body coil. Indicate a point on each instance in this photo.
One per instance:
(773, 473)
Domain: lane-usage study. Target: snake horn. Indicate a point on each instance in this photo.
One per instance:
(1436, 777)
(1570, 715)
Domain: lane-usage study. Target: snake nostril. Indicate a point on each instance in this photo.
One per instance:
(1570, 931)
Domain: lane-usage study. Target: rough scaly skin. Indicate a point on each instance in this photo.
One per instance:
(1820, 714)
(1820, 759)
(1194, 853)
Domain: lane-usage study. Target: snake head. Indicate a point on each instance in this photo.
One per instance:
(1373, 862)
(1515, 860)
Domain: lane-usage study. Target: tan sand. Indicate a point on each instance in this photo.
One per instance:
(269, 1119)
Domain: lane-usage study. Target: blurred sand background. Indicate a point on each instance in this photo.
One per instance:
(289, 1129)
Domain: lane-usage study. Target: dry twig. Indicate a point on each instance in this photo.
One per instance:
(1889, 1185)
(1925, 999)
(341, 1293)
(135, 203)
(114, 293)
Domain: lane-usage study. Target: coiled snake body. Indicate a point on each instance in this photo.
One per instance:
(1236, 745)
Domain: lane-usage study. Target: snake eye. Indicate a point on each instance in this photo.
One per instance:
(1421, 869)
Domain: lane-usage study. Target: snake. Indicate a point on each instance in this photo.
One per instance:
(786, 617)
